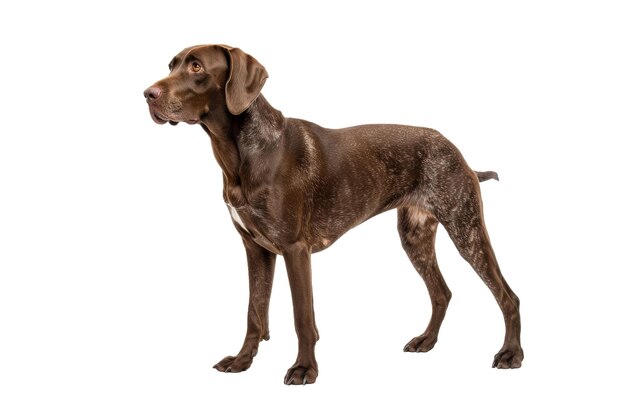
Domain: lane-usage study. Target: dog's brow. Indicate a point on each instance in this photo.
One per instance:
(190, 58)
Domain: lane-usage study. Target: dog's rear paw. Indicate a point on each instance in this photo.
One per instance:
(234, 363)
(422, 343)
(508, 358)
(300, 375)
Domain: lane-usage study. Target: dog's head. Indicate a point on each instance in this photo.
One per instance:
(202, 79)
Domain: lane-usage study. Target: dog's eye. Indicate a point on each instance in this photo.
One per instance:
(195, 67)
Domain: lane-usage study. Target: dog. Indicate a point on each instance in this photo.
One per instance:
(293, 188)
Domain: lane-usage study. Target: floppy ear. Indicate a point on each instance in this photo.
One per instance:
(245, 81)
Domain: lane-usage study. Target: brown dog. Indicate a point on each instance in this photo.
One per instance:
(293, 188)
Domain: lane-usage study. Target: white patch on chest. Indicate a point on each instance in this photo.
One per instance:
(236, 218)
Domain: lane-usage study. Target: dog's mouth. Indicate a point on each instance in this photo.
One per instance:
(160, 119)
(157, 117)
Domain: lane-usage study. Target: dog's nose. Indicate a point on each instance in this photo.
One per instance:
(152, 93)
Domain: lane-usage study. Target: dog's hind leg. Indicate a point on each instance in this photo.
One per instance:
(417, 228)
(461, 214)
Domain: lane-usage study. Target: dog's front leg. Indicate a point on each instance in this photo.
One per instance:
(298, 262)
(261, 275)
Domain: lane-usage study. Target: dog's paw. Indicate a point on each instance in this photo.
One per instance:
(508, 358)
(234, 363)
(422, 343)
(301, 375)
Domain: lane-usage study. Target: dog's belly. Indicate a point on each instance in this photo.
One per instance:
(272, 235)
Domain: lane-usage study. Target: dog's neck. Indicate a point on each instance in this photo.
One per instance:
(258, 128)
(236, 138)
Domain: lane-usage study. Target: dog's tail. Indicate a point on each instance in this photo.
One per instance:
(487, 175)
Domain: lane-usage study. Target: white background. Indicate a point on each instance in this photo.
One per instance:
(123, 280)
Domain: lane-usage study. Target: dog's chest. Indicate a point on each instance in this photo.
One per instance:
(261, 230)
(234, 214)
